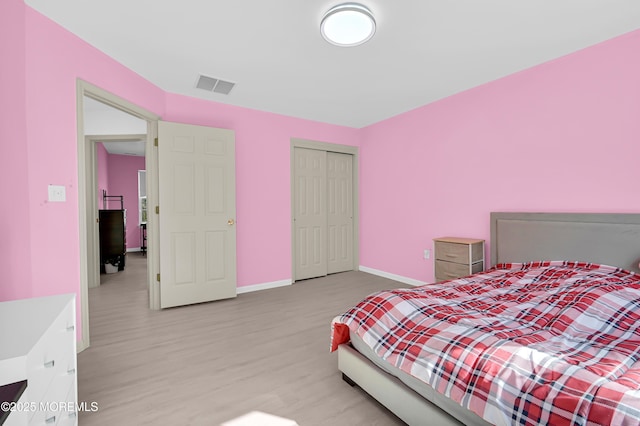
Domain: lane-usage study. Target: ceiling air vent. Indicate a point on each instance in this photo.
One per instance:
(214, 85)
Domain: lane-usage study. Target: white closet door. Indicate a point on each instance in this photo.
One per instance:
(310, 213)
(340, 212)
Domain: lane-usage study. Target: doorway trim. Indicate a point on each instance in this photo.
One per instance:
(87, 199)
(329, 147)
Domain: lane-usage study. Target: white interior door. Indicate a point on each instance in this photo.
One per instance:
(197, 214)
(310, 213)
(340, 212)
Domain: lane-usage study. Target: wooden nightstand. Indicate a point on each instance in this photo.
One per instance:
(457, 257)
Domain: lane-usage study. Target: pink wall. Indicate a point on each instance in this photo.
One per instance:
(563, 136)
(263, 189)
(123, 180)
(102, 172)
(54, 60)
(40, 252)
(15, 243)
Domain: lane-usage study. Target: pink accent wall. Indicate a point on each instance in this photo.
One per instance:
(55, 59)
(263, 191)
(123, 180)
(15, 229)
(563, 136)
(102, 171)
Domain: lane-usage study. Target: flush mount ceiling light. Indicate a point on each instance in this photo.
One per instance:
(348, 24)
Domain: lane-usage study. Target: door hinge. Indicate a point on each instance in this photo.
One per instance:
(158, 277)
(155, 142)
(157, 209)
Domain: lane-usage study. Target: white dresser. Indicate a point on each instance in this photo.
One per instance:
(38, 344)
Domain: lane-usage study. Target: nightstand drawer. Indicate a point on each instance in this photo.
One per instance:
(449, 270)
(452, 252)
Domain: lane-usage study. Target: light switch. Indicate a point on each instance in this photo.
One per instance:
(427, 253)
(57, 193)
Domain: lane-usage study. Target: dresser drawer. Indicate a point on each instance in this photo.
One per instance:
(57, 394)
(51, 358)
(55, 404)
(41, 350)
(41, 368)
(69, 417)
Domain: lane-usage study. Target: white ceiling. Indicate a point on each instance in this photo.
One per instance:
(423, 50)
(101, 119)
(125, 147)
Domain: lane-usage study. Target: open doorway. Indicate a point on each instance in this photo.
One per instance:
(118, 140)
(107, 122)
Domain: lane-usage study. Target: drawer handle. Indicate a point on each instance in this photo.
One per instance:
(451, 275)
(50, 364)
(71, 328)
(451, 255)
(71, 371)
(50, 420)
(72, 415)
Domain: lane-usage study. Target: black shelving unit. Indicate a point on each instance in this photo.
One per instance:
(143, 238)
(113, 232)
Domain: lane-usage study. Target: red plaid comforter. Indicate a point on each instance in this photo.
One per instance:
(538, 343)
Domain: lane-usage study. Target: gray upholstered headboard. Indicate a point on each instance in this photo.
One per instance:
(605, 238)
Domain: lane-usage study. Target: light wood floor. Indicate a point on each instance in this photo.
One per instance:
(209, 363)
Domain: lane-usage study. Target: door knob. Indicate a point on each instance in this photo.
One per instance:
(231, 222)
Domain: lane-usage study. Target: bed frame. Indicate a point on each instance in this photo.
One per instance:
(611, 239)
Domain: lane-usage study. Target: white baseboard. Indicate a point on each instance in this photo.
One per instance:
(284, 283)
(264, 286)
(394, 277)
(134, 249)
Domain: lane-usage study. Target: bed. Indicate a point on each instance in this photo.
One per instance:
(548, 335)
